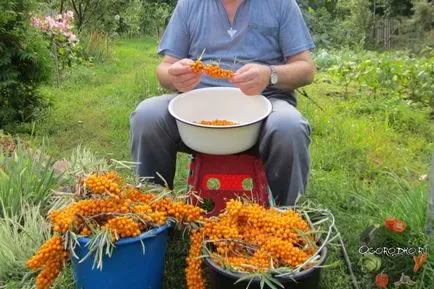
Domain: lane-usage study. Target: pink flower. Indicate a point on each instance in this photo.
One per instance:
(51, 22)
(68, 14)
(36, 21)
(72, 38)
(56, 25)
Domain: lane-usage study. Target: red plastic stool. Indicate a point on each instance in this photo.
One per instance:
(232, 175)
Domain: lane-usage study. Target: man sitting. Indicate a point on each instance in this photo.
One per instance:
(267, 43)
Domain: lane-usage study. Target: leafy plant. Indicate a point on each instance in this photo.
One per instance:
(26, 177)
(388, 73)
(20, 236)
(144, 17)
(92, 14)
(59, 31)
(155, 16)
(24, 63)
(84, 161)
(406, 207)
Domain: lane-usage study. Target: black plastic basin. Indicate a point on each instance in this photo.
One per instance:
(223, 279)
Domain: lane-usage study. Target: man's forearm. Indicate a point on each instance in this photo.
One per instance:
(164, 77)
(295, 74)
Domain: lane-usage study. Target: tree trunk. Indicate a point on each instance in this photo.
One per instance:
(61, 6)
(56, 62)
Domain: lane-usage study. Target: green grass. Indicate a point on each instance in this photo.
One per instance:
(92, 106)
(367, 153)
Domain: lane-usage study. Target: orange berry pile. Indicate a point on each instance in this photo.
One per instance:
(193, 271)
(106, 183)
(123, 209)
(217, 122)
(213, 70)
(50, 258)
(123, 227)
(249, 238)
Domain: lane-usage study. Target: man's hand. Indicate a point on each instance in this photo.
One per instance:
(183, 78)
(252, 78)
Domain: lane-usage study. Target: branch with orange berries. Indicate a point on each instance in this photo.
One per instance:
(107, 210)
(212, 70)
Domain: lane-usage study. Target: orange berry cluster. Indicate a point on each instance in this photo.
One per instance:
(107, 183)
(123, 209)
(71, 217)
(145, 206)
(217, 122)
(249, 238)
(123, 227)
(193, 271)
(50, 258)
(213, 70)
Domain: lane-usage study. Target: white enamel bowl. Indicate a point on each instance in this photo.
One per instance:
(224, 103)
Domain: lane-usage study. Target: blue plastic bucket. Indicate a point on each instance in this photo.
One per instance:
(128, 267)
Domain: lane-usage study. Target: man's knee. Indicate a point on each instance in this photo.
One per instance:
(143, 114)
(289, 127)
(149, 113)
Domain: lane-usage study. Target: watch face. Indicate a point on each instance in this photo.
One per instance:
(274, 78)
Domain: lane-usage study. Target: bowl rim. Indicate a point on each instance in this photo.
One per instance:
(170, 108)
(294, 276)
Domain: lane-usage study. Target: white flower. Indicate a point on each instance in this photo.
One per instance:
(117, 17)
(423, 177)
(69, 14)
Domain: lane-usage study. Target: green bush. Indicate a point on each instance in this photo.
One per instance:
(385, 74)
(144, 18)
(24, 63)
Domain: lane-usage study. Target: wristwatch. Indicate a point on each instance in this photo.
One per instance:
(274, 78)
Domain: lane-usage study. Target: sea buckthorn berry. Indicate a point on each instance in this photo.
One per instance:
(123, 209)
(212, 70)
(217, 122)
(109, 182)
(249, 238)
(50, 258)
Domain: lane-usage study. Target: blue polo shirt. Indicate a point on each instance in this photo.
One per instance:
(263, 31)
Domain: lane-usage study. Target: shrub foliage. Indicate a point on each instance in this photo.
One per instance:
(24, 63)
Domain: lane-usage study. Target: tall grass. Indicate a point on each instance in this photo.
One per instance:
(20, 236)
(26, 176)
(409, 203)
(96, 46)
(83, 160)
